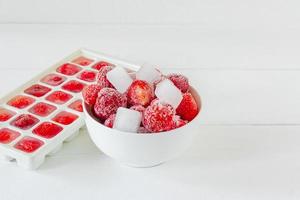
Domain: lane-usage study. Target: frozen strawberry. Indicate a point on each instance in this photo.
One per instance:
(101, 64)
(8, 135)
(178, 122)
(109, 122)
(88, 76)
(154, 101)
(37, 90)
(20, 101)
(68, 69)
(42, 109)
(59, 97)
(73, 86)
(140, 93)
(108, 101)
(76, 105)
(29, 144)
(180, 81)
(138, 108)
(158, 117)
(188, 108)
(47, 130)
(83, 61)
(101, 77)
(24, 121)
(143, 130)
(5, 114)
(65, 118)
(53, 79)
(90, 93)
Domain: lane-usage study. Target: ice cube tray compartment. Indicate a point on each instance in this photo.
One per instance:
(40, 115)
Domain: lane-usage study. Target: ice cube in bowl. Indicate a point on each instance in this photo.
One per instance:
(141, 150)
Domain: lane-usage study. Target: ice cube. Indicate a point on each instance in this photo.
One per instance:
(88, 76)
(37, 90)
(148, 73)
(20, 101)
(53, 79)
(6, 114)
(119, 78)
(8, 135)
(76, 105)
(83, 61)
(65, 118)
(101, 64)
(167, 92)
(24, 121)
(29, 144)
(68, 69)
(42, 109)
(73, 86)
(59, 97)
(47, 130)
(127, 120)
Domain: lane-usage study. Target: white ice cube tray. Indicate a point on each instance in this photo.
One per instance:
(34, 159)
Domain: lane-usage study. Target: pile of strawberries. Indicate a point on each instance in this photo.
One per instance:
(157, 116)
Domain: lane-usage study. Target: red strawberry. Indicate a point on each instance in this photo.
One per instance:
(101, 77)
(180, 81)
(108, 101)
(188, 108)
(109, 122)
(90, 93)
(158, 117)
(140, 93)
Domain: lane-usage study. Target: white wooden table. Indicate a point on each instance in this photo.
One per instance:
(249, 143)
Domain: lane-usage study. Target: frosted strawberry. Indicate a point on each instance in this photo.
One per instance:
(90, 93)
(101, 77)
(188, 108)
(178, 122)
(180, 81)
(140, 93)
(108, 101)
(158, 117)
(109, 122)
(138, 108)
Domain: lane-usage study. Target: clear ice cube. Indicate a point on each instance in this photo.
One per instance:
(119, 78)
(127, 120)
(167, 92)
(148, 73)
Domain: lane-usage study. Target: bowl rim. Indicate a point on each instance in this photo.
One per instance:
(191, 89)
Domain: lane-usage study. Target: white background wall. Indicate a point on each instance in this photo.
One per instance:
(259, 34)
(233, 14)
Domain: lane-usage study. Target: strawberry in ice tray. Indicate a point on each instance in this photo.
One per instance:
(145, 101)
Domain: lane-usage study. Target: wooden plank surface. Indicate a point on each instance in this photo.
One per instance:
(248, 141)
(169, 46)
(225, 163)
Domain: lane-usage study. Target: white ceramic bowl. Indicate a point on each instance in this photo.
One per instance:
(141, 150)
